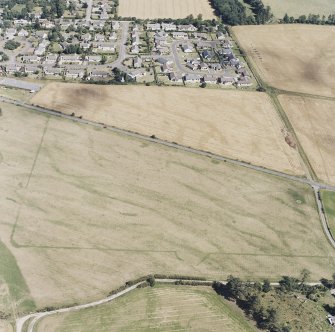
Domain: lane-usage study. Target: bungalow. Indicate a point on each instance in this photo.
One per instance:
(174, 77)
(12, 68)
(71, 58)
(41, 34)
(208, 55)
(226, 80)
(75, 73)
(99, 74)
(115, 25)
(153, 26)
(86, 37)
(200, 35)
(40, 50)
(203, 44)
(179, 35)
(187, 27)
(167, 67)
(192, 78)
(21, 22)
(244, 81)
(169, 27)
(31, 69)
(134, 49)
(137, 62)
(113, 36)
(99, 37)
(51, 59)
(10, 33)
(51, 71)
(97, 25)
(187, 47)
(242, 72)
(23, 33)
(30, 59)
(85, 46)
(203, 66)
(216, 66)
(104, 47)
(93, 58)
(220, 35)
(137, 73)
(210, 79)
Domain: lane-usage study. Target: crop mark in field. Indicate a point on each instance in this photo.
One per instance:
(27, 183)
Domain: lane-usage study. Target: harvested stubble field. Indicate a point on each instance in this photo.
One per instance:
(162, 308)
(85, 209)
(294, 57)
(151, 9)
(313, 121)
(236, 124)
(301, 7)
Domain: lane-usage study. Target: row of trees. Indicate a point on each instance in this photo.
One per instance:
(310, 19)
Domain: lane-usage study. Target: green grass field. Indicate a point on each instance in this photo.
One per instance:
(328, 199)
(162, 308)
(300, 7)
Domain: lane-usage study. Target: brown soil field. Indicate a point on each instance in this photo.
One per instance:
(151, 9)
(84, 209)
(314, 121)
(295, 57)
(236, 124)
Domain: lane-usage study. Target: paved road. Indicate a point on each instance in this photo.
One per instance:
(122, 45)
(37, 316)
(89, 10)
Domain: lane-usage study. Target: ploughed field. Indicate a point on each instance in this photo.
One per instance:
(293, 57)
(236, 124)
(301, 7)
(313, 121)
(85, 209)
(151, 9)
(162, 308)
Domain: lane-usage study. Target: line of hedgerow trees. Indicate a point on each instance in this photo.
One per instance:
(310, 19)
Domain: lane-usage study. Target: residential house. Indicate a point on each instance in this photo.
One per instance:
(203, 66)
(167, 67)
(187, 27)
(23, 33)
(74, 73)
(70, 58)
(30, 59)
(99, 74)
(137, 73)
(51, 59)
(175, 77)
(134, 49)
(108, 47)
(10, 33)
(153, 26)
(220, 35)
(137, 62)
(244, 81)
(179, 35)
(99, 37)
(192, 78)
(187, 47)
(115, 25)
(31, 69)
(12, 68)
(210, 79)
(93, 58)
(226, 80)
(51, 71)
(169, 26)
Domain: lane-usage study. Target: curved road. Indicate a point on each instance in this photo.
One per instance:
(37, 316)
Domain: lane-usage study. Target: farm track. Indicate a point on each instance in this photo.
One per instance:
(35, 317)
